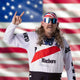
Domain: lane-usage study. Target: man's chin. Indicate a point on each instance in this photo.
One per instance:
(49, 32)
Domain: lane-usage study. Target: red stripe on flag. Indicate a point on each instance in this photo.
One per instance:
(26, 29)
(14, 65)
(13, 78)
(77, 66)
(2, 30)
(75, 47)
(21, 50)
(12, 49)
(60, 1)
(67, 79)
(29, 30)
(71, 31)
(9, 59)
(69, 20)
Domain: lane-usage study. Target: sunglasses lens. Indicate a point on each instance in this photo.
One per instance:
(47, 20)
(54, 20)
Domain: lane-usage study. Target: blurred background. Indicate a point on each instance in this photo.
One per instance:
(14, 60)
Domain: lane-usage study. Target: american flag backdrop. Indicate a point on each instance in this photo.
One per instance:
(14, 60)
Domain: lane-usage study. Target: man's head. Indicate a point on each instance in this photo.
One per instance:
(50, 22)
(49, 27)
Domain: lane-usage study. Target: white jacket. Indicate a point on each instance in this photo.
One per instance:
(44, 58)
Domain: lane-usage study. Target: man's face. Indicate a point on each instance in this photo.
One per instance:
(49, 26)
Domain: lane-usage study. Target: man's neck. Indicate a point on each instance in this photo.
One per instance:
(48, 35)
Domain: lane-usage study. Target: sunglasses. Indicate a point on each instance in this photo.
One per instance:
(47, 20)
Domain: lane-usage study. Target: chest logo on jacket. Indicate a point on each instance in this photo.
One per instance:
(45, 52)
(48, 60)
(26, 38)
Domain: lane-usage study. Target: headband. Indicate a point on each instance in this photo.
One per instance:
(50, 14)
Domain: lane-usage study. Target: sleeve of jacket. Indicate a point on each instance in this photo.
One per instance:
(68, 63)
(18, 40)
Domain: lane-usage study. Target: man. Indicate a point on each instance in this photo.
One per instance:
(48, 51)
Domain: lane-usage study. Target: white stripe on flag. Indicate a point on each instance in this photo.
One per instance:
(63, 10)
(4, 72)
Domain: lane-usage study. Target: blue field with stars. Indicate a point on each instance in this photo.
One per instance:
(32, 8)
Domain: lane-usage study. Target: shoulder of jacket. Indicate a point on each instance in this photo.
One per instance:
(30, 35)
(33, 33)
(67, 47)
(66, 44)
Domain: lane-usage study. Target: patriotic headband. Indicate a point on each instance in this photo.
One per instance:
(50, 14)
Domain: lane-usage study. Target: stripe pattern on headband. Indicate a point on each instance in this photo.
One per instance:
(50, 14)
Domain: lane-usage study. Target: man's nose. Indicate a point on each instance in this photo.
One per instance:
(50, 22)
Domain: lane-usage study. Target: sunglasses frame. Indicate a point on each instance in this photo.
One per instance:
(53, 20)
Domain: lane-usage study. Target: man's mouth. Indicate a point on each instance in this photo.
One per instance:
(49, 27)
